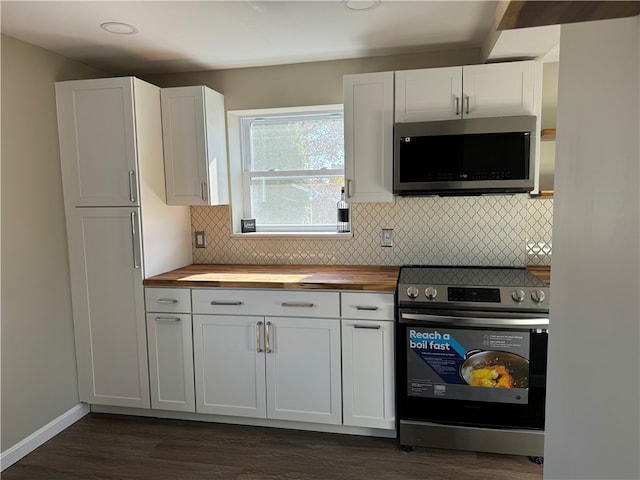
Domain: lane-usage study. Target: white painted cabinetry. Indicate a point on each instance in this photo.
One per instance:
(108, 306)
(368, 360)
(368, 137)
(229, 365)
(428, 94)
(170, 347)
(195, 147)
(119, 229)
(268, 354)
(471, 91)
(98, 152)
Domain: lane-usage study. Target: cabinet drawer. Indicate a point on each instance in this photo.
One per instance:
(264, 303)
(176, 300)
(367, 306)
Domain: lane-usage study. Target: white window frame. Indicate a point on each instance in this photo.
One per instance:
(240, 179)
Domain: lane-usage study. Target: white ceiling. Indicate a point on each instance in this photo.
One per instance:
(209, 35)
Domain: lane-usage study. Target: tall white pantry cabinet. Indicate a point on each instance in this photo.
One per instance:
(119, 229)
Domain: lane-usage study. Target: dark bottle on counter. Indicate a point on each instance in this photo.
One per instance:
(344, 220)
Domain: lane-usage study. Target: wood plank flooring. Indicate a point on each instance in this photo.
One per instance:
(109, 447)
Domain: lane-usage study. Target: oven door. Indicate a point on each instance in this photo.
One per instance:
(482, 369)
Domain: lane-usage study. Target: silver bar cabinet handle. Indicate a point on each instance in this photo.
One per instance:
(457, 105)
(367, 327)
(167, 319)
(305, 304)
(132, 197)
(231, 303)
(203, 191)
(366, 307)
(349, 188)
(267, 329)
(258, 343)
(467, 102)
(167, 300)
(133, 240)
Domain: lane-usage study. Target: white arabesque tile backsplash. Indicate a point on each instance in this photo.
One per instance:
(501, 230)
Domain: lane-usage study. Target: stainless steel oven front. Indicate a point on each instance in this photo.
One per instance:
(471, 361)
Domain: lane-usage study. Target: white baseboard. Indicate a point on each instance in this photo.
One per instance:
(50, 430)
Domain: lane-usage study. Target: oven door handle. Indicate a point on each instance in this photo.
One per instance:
(494, 321)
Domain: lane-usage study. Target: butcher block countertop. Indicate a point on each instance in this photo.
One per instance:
(327, 277)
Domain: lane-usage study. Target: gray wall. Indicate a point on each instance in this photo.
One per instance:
(301, 84)
(38, 360)
(593, 414)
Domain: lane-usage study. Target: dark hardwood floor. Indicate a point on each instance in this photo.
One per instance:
(109, 447)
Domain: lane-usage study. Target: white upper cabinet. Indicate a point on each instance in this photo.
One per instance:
(474, 91)
(368, 137)
(97, 134)
(500, 89)
(195, 148)
(428, 94)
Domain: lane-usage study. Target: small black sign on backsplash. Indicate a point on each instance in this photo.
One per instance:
(248, 225)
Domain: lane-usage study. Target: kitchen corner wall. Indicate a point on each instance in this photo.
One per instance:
(506, 230)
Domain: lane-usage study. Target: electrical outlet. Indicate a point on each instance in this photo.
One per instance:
(201, 239)
(387, 237)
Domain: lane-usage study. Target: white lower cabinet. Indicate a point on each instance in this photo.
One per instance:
(170, 348)
(171, 361)
(275, 367)
(229, 369)
(211, 352)
(368, 360)
(303, 370)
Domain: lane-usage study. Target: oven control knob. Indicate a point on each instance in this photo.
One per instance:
(537, 296)
(430, 293)
(412, 292)
(518, 296)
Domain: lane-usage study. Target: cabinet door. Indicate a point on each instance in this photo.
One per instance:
(428, 94)
(229, 365)
(368, 137)
(97, 142)
(108, 306)
(303, 369)
(171, 361)
(195, 148)
(367, 373)
(499, 89)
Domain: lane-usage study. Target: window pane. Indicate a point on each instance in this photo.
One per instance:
(295, 200)
(306, 144)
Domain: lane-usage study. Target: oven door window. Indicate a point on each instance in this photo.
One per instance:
(465, 364)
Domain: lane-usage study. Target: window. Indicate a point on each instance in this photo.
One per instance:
(292, 168)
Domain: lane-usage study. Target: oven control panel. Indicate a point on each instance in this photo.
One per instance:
(503, 297)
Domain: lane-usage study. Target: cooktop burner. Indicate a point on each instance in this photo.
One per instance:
(501, 288)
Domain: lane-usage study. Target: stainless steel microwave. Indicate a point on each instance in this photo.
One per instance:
(464, 157)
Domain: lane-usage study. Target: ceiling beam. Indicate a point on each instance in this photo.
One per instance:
(534, 13)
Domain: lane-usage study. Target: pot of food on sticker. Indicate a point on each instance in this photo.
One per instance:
(495, 368)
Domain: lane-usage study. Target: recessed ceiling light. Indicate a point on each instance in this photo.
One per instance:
(360, 4)
(119, 28)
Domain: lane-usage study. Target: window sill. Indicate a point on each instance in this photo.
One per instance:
(299, 235)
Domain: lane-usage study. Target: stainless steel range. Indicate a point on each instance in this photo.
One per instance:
(471, 359)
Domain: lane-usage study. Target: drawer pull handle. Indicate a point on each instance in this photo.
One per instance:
(258, 343)
(234, 303)
(305, 305)
(366, 307)
(367, 327)
(267, 329)
(167, 300)
(167, 319)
